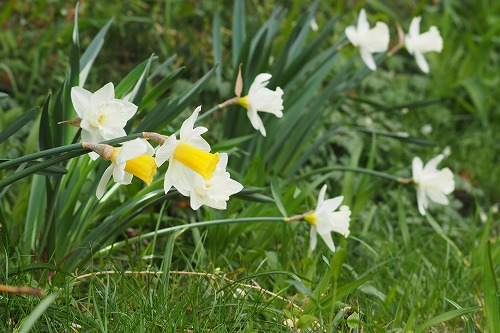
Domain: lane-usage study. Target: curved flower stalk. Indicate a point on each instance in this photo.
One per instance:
(325, 219)
(133, 158)
(417, 44)
(368, 40)
(432, 183)
(214, 192)
(102, 116)
(189, 153)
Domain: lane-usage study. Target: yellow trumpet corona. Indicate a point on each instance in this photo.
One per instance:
(311, 219)
(143, 167)
(202, 162)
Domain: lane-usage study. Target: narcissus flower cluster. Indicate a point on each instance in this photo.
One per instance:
(376, 40)
(193, 170)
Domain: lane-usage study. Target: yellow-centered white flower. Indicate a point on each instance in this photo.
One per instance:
(417, 44)
(133, 158)
(368, 40)
(262, 99)
(190, 153)
(325, 219)
(215, 191)
(103, 117)
(432, 183)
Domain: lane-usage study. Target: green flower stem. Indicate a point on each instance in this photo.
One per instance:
(168, 230)
(39, 166)
(60, 150)
(209, 112)
(71, 151)
(358, 170)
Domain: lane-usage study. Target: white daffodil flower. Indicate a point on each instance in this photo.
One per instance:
(103, 117)
(325, 219)
(262, 99)
(133, 158)
(432, 183)
(190, 152)
(368, 40)
(417, 44)
(214, 192)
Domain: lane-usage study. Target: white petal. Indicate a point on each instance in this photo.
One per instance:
(195, 202)
(421, 201)
(106, 176)
(421, 62)
(81, 101)
(429, 41)
(332, 204)
(119, 173)
(313, 239)
(112, 132)
(260, 81)
(166, 150)
(188, 124)
(414, 30)
(437, 196)
(256, 121)
(447, 183)
(352, 35)
(266, 100)
(367, 58)
(342, 221)
(376, 39)
(91, 136)
(222, 161)
(363, 25)
(328, 240)
(130, 150)
(104, 94)
(128, 108)
(431, 166)
(182, 177)
(417, 166)
(126, 178)
(199, 142)
(321, 197)
(168, 181)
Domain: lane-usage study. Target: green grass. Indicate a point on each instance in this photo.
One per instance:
(397, 272)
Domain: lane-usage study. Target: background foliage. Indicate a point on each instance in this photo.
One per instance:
(397, 272)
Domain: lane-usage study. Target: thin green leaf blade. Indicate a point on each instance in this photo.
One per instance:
(44, 133)
(91, 53)
(18, 123)
(238, 36)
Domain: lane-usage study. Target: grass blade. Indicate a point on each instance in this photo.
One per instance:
(491, 306)
(444, 317)
(30, 321)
